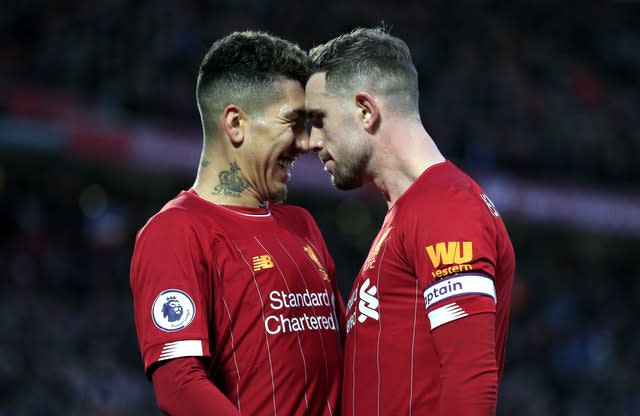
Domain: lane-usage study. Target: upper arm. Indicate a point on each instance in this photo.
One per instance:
(170, 293)
(454, 257)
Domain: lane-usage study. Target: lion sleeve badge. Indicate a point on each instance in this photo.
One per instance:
(173, 310)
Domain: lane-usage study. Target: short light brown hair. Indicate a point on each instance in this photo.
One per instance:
(369, 57)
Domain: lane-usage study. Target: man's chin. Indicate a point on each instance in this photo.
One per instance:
(345, 185)
(280, 195)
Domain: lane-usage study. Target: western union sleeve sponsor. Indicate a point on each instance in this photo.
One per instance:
(451, 252)
(450, 257)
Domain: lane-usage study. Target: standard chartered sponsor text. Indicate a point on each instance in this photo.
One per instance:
(282, 323)
(281, 299)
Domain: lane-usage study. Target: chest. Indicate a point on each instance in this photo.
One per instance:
(386, 287)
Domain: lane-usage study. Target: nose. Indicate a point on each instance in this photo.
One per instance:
(301, 141)
(316, 141)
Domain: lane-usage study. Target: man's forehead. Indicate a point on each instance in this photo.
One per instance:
(317, 83)
(291, 103)
(316, 93)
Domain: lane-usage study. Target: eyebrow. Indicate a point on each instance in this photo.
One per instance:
(315, 113)
(295, 114)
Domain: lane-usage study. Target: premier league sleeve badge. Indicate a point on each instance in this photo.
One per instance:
(173, 310)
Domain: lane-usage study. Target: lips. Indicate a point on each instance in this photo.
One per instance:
(286, 163)
(325, 159)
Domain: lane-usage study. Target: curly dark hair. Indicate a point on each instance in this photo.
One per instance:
(243, 67)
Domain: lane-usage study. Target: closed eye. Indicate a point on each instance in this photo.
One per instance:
(298, 124)
(316, 120)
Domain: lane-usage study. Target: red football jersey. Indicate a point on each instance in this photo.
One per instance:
(253, 290)
(442, 254)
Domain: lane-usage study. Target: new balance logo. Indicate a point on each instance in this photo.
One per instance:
(451, 252)
(262, 262)
(368, 302)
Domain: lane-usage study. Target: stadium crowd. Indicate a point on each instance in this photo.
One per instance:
(534, 88)
(530, 86)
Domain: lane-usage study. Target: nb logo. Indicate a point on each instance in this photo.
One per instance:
(368, 302)
(262, 262)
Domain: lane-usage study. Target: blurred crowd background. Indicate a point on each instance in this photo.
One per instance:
(539, 100)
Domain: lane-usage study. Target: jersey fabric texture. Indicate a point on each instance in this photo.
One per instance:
(442, 256)
(253, 291)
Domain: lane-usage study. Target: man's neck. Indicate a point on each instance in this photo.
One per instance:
(223, 184)
(405, 158)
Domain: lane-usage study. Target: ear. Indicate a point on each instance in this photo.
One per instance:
(369, 111)
(233, 119)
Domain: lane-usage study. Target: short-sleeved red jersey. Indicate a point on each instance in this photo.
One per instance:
(442, 254)
(254, 291)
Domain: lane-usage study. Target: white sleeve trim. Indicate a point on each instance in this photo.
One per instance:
(446, 314)
(463, 284)
(188, 348)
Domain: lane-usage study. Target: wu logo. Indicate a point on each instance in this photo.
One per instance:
(368, 302)
(262, 262)
(451, 252)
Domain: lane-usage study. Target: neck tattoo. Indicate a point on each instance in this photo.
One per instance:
(232, 183)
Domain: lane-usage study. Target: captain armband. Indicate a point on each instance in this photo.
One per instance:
(439, 298)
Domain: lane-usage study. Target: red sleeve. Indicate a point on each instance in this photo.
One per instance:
(455, 258)
(171, 286)
(469, 374)
(182, 388)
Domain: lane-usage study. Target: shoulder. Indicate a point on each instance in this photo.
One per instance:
(296, 217)
(446, 195)
(293, 213)
(179, 216)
